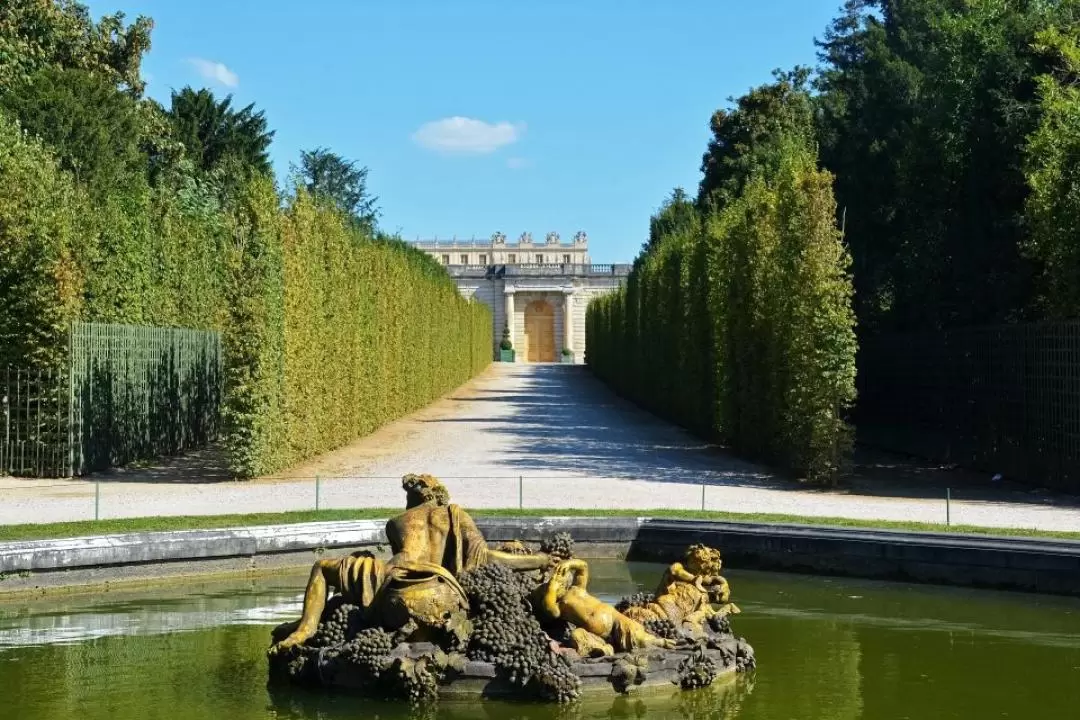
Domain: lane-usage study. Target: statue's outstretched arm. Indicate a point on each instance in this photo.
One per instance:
(324, 576)
(678, 572)
(520, 562)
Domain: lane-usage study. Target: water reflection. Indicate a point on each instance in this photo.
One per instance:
(81, 620)
(826, 648)
(723, 701)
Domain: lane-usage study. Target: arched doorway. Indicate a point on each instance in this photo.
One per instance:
(539, 332)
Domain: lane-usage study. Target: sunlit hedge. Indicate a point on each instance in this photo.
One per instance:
(327, 333)
(739, 325)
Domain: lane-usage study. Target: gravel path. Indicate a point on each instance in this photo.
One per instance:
(538, 436)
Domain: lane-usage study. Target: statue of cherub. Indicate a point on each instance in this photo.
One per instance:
(688, 591)
(701, 566)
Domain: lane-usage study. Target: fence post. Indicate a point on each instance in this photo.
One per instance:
(318, 483)
(97, 500)
(71, 400)
(948, 509)
(5, 451)
(703, 495)
(521, 493)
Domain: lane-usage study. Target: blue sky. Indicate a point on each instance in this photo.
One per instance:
(476, 116)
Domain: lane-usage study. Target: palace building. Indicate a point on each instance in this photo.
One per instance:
(539, 290)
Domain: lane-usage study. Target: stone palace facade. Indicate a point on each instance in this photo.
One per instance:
(538, 289)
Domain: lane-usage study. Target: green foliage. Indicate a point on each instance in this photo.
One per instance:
(745, 139)
(368, 334)
(254, 416)
(215, 135)
(134, 255)
(330, 177)
(737, 323)
(1053, 173)
(40, 281)
(37, 34)
(925, 111)
(329, 330)
(92, 126)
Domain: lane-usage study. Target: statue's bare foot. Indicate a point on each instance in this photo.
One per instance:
(289, 642)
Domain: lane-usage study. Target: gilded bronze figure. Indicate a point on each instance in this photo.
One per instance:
(446, 607)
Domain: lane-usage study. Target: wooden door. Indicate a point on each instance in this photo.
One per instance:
(539, 332)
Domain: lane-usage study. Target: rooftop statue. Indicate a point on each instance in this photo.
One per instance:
(553, 238)
(445, 610)
(525, 238)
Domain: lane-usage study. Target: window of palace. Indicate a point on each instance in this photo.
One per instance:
(483, 259)
(464, 259)
(566, 259)
(539, 259)
(512, 259)
(445, 259)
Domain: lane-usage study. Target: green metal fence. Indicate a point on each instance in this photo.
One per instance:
(126, 393)
(1005, 399)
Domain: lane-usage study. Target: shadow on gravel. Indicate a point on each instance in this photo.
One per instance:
(192, 468)
(563, 419)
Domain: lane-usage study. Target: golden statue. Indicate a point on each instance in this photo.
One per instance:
(432, 543)
(406, 626)
(598, 627)
(687, 592)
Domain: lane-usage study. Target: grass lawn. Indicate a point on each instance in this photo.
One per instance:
(196, 522)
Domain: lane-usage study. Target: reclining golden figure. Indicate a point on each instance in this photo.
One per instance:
(687, 591)
(599, 627)
(432, 543)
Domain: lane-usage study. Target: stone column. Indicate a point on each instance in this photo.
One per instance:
(509, 294)
(568, 321)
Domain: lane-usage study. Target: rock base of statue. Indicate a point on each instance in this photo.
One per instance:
(453, 676)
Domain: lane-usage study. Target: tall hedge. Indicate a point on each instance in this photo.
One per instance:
(739, 326)
(138, 255)
(368, 334)
(328, 333)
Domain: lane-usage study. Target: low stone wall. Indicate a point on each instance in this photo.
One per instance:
(1035, 565)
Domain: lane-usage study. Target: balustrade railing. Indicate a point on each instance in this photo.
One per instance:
(539, 270)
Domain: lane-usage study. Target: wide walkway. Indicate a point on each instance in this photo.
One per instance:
(540, 436)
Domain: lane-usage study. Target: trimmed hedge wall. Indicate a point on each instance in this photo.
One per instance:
(369, 334)
(738, 324)
(327, 333)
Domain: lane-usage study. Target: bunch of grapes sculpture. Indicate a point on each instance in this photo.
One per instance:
(447, 615)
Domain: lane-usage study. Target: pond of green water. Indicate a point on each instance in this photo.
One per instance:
(826, 648)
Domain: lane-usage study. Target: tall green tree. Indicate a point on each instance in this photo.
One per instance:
(925, 109)
(37, 34)
(94, 128)
(215, 134)
(330, 177)
(1053, 173)
(745, 137)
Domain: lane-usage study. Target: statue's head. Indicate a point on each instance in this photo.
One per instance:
(702, 560)
(420, 489)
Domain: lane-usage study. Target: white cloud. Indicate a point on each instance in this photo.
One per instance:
(517, 163)
(466, 135)
(215, 72)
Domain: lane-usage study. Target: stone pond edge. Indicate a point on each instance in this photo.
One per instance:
(1022, 564)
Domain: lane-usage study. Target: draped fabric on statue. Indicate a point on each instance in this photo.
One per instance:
(360, 576)
(466, 548)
